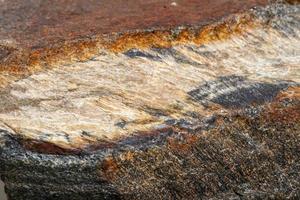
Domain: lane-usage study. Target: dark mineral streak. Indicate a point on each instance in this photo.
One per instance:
(244, 93)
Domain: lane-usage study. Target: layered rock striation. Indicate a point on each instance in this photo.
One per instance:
(193, 104)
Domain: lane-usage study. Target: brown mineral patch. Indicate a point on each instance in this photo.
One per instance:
(109, 168)
(46, 147)
(293, 1)
(141, 40)
(183, 146)
(290, 93)
(234, 25)
(287, 114)
(164, 39)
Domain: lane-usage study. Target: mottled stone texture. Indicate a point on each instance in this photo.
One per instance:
(189, 112)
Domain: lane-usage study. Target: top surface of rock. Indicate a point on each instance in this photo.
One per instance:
(40, 23)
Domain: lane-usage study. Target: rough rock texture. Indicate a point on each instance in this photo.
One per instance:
(205, 112)
(250, 154)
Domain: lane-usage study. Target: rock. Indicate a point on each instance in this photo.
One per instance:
(208, 109)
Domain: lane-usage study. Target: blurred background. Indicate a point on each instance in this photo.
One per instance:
(2, 194)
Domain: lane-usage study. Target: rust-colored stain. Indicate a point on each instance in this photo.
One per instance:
(183, 147)
(36, 34)
(199, 35)
(289, 114)
(109, 168)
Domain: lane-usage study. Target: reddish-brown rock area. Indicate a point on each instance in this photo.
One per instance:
(38, 33)
(37, 24)
(186, 99)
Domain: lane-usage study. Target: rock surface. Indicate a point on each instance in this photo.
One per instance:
(204, 105)
(2, 192)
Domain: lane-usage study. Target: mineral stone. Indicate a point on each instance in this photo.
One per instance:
(150, 100)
